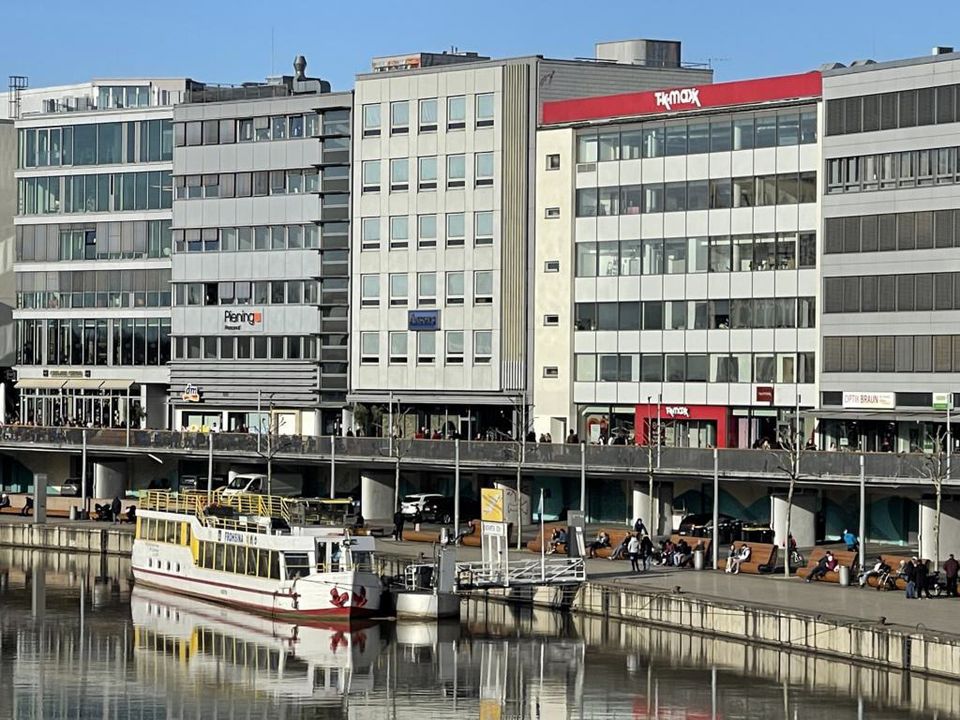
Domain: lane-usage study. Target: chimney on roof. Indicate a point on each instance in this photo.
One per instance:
(300, 68)
(941, 50)
(653, 53)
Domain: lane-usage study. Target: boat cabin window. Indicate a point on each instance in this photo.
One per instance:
(297, 565)
(362, 560)
(329, 556)
(238, 559)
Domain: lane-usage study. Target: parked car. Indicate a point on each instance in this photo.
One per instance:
(71, 487)
(701, 525)
(411, 503)
(440, 510)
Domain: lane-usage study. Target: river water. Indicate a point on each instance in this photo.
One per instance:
(78, 641)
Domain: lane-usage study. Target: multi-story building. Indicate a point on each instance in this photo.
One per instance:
(8, 208)
(260, 256)
(891, 293)
(443, 183)
(92, 254)
(676, 263)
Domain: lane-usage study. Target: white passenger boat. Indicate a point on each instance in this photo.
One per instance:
(287, 558)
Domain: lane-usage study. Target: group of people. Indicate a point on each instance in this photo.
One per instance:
(919, 581)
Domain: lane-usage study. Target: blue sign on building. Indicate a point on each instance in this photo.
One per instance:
(423, 320)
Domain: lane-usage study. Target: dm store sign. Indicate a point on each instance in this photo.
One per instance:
(243, 320)
(423, 320)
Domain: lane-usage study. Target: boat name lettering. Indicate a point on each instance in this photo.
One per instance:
(234, 537)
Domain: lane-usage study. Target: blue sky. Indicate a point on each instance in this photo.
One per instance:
(58, 41)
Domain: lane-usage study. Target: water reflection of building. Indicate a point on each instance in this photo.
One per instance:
(192, 646)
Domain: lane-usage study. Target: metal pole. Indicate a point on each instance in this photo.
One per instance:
(333, 467)
(543, 559)
(583, 480)
(390, 421)
(259, 421)
(863, 517)
(210, 469)
(716, 510)
(456, 488)
(659, 401)
(128, 416)
(83, 472)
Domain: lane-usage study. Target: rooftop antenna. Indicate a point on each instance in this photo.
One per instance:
(16, 84)
(712, 60)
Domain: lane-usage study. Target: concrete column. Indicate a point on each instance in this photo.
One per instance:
(40, 498)
(803, 524)
(660, 523)
(949, 528)
(109, 479)
(376, 496)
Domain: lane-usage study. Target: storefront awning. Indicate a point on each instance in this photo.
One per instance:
(116, 384)
(919, 415)
(40, 383)
(84, 384)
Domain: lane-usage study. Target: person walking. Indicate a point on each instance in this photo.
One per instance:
(633, 552)
(923, 580)
(951, 568)
(910, 575)
(646, 551)
(398, 520)
(638, 527)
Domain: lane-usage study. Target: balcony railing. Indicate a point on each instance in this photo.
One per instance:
(616, 460)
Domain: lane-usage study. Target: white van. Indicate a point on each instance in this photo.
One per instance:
(283, 484)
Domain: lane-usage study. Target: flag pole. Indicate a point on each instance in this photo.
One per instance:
(543, 542)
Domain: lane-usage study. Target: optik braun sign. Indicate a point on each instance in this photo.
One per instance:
(243, 320)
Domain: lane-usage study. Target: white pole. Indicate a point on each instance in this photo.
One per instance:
(210, 469)
(333, 467)
(259, 421)
(863, 517)
(716, 510)
(543, 556)
(583, 480)
(659, 401)
(390, 420)
(83, 472)
(128, 416)
(456, 488)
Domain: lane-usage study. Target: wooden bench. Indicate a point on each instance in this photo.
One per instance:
(421, 536)
(844, 558)
(894, 562)
(694, 542)
(763, 558)
(543, 538)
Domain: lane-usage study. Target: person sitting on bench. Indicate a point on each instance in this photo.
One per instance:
(828, 563)
(620, 550)
(682, 554)
(602, 541)
(733, 565)
(559, 537)
(27, 508)
(879, 569)
(4, 501)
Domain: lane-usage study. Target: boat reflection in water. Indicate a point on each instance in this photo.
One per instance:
(193, 644)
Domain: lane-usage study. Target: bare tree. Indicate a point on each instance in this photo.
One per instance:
(397, 449)
(274, 444)
(788, 457)
(935, 467)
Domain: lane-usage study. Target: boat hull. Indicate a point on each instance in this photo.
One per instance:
(426, 605)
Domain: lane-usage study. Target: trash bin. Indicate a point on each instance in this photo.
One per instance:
(844, 576)
(444, 536)
(74, 512)
(698, 559)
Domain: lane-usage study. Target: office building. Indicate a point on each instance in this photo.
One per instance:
(260, 256)
(891, 293)
(676, 263)
(92, 254)
(444, 178)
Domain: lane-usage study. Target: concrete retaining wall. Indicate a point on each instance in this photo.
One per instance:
(106, 540)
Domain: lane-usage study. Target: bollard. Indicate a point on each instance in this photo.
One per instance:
(73, 512)
(698, 559)
(844, 576)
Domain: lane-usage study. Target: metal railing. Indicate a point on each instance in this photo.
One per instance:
(560, 457)
(543, 571)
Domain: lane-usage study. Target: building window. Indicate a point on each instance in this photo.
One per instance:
(371, 176)
(483, 287)
(551, 320)
(456, 112)
(426, 348)
(455, 288)
(482, 347)
(456, 230)
(552, 213)
(551, 371)
(483, 228)
(454, 341)
(399, 174)
(456, 171)
(427, 231)
(371, 120)
(398, 290)
(553, 161)
(399, 117)
(484, 110)
(370, 233)
(369, 290)
(427, 173)
(426, 288)
(399, 234)
(369, 348)
(398, 348)
(428, 115)
(483, 168)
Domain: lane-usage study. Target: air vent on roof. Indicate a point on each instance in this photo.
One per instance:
(861, 63)
(941, 50)
(831, 66)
